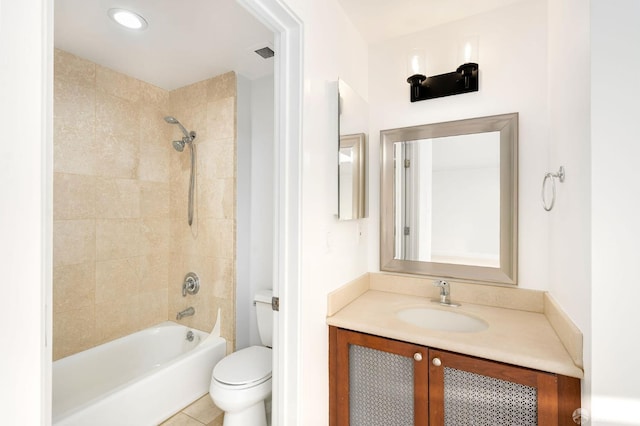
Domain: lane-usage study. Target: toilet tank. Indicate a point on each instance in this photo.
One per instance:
(264, 315)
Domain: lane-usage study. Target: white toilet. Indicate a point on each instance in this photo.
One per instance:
(241, 381)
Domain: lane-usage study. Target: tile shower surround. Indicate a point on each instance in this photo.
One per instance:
(121, 243)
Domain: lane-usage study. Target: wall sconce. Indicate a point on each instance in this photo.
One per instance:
(463, 80)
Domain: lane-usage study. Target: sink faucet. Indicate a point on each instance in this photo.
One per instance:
(445, 292)
(186, 313)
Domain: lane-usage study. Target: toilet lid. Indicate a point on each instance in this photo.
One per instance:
(244, 366)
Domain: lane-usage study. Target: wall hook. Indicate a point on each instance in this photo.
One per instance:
(552, 177)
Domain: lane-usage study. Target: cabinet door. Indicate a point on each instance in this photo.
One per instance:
(377, 381)
(471, 391)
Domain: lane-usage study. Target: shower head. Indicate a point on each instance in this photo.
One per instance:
(179, 145)
(172, 120)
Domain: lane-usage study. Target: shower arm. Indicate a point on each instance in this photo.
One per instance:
(187, 135)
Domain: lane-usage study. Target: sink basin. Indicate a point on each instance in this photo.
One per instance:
(441, 320)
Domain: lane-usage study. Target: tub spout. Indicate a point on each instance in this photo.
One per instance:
(186, 313)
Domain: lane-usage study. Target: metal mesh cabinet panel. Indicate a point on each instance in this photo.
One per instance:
(475, 400)
(380, 388)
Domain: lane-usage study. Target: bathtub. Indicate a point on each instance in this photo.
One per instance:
(140, 379)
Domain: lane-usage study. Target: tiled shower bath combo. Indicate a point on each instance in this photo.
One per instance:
(122, 244)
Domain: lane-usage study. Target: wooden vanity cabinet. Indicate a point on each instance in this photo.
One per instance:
(471, 390)
(406, 384)
(376, 381)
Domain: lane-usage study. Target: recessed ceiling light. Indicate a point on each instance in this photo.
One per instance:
(128, 19)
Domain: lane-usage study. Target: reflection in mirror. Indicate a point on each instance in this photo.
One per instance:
(351, 176)
(436, 181)
(353, 123)
(449, 199)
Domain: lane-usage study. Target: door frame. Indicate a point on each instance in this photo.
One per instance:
(288, 126)
(288, 78)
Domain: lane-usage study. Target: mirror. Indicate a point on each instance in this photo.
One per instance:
(449, 199)
(352, 126)
(351, 176)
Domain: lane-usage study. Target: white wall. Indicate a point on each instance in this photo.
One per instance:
(513, 78)
(25, 210)
(255, 202)
(615, 207)
(332, 252)
(262, 201)
(243, 211)
(569, 227)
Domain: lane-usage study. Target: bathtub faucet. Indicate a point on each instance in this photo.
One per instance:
(186, 313)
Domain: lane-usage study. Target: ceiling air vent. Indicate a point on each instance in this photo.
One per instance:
(265, 52)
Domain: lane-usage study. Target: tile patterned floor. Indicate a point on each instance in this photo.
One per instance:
(201, 413)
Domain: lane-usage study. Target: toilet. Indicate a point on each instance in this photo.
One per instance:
(241, 381)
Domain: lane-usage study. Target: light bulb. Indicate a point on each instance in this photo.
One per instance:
(416, 62)
(468, 50)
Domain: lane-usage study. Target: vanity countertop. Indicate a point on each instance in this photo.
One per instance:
(516, 337)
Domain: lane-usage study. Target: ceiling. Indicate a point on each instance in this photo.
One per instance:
(379, 20)
(186, 41)
(192, 40)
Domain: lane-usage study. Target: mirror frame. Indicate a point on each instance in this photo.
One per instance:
(507, 273)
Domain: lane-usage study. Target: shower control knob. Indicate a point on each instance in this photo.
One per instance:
(191, 284)
(436, 362)
(417, 356)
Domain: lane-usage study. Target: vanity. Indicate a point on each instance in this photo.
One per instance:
(442, 335)
(388, 367)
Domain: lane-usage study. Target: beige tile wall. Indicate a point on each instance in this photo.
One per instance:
(121, 243)
(208, 248)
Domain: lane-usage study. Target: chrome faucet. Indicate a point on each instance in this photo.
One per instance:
(186, 313)
(445, 292)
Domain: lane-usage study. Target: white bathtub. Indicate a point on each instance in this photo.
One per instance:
(140, 379)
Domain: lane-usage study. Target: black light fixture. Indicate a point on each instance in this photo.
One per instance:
(463, 80)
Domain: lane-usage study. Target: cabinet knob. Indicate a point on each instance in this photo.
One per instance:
(436, 362)
(580, 416)
(417, 356)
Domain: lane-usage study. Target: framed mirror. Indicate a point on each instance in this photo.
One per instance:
(449, 199)
(352, 125)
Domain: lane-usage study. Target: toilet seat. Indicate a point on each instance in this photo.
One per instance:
(245, 368)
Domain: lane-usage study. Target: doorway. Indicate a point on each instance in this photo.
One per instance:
(288, 83)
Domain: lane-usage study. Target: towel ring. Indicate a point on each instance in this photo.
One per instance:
(552, 177)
